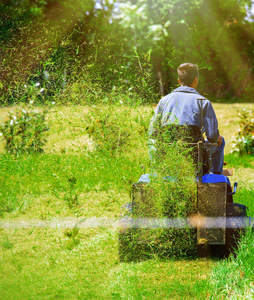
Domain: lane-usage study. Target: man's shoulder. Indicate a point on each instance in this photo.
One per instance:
(191, 93)
(182, 93)
(165, 99)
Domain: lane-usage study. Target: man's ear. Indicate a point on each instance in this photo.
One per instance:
(179, 81)
(194, 83)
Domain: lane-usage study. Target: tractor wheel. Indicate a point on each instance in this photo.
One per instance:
(236, 224)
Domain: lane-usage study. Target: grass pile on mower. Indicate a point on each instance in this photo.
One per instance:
(181, 209)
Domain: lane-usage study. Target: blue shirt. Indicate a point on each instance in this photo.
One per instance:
(182, 107)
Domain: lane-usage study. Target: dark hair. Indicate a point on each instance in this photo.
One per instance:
(187, 72)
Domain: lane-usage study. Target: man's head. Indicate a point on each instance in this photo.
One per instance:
(188, 75)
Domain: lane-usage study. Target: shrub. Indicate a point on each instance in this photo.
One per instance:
(244, 141)
(118, 129)
(23, 130)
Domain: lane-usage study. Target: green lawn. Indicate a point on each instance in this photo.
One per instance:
(86, 171)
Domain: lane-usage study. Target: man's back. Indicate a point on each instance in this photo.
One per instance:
(182, 107)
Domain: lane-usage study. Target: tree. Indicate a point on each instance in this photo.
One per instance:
(52, 33)
(208, 32)
(129, 43)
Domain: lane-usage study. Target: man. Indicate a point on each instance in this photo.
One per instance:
(182, 107)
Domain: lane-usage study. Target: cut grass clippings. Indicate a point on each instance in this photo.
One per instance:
(46, 263)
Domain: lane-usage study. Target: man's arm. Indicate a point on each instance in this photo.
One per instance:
(211, 124)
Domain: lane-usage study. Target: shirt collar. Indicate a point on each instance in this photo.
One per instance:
(185, 89)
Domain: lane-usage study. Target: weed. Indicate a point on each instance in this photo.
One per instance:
(23, 130)
(71, 232)
(71, 197)
(73, 239)
(7, 244)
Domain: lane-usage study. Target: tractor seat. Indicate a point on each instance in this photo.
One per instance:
(187, 133)
(191, 135)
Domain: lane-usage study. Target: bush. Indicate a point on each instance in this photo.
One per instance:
(23, 130)
(118, 129)
(244, 141)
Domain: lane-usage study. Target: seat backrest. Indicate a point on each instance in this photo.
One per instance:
(187, 133)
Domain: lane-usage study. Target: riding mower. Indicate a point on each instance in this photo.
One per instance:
(210, 223)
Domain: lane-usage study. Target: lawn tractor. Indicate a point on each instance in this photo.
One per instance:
(212, 225)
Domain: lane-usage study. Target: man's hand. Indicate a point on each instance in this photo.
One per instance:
(219, 141)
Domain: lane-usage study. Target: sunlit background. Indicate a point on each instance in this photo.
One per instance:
(120, 43)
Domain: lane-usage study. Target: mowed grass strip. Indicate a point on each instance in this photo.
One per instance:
(48, 263)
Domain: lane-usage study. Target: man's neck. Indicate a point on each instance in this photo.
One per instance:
(190, 86)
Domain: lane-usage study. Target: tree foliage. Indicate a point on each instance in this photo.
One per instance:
(128, 44)
(208, 32)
